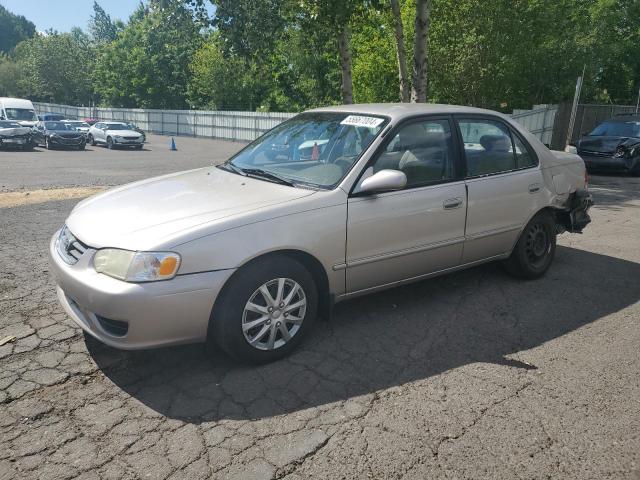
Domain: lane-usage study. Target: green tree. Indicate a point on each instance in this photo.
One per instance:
(51, 67)
(148, 64)
(101, 28)
(13, 29)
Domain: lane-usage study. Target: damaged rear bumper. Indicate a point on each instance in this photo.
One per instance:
(575, 217)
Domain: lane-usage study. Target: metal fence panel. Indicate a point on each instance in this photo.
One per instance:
(247, 126)
(236, 126)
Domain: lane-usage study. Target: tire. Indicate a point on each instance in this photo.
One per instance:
(47, 145)
(230, 312)
(138, 147)
(90, 140)
(82, 147)
(109, 143)
(536, 247)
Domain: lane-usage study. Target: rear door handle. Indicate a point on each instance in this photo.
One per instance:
(452, 203)
(534, 187)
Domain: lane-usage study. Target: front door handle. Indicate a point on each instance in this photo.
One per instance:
(534, 188)
(452, 203)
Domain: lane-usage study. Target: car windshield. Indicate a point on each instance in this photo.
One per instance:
(78, 124)
(6, 124)
(21, 114)
(57, 126)
(617, 129)
(117, 126)
(316, 148)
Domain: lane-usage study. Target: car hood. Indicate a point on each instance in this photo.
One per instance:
(603, 144)
(123, 133)
(14, 131)
(26, 123)
(164, 210)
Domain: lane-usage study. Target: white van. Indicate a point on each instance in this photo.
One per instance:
(18, 110)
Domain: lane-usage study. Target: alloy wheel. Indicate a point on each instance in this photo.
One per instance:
(274, 314)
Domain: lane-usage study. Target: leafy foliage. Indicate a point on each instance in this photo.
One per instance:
(292, 54)
(13, 29)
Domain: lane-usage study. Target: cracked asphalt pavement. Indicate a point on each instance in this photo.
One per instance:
(470, 375)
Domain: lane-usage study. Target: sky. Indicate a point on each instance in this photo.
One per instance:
(62, 15)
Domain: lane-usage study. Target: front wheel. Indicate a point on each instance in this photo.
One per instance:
(91, 141)
(535, 249)
(265, 310)
(47, 144)
(109, 143)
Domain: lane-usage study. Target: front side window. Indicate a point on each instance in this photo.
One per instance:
(315, 149)
(423, 150)
(487, 147)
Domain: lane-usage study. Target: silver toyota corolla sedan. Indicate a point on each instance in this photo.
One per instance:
(334, 203)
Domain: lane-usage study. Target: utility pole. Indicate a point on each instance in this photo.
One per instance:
(574, 108)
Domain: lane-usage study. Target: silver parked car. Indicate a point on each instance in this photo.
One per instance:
(115, 135)
(334, 203)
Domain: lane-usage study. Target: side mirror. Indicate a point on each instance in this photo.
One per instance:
(384, 181)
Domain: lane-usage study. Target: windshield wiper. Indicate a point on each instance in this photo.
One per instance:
(258, 172)
(230, 167)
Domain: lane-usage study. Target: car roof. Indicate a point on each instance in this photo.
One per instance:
(398, 111)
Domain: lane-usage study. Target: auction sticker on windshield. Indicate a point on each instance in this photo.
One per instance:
(362, 121)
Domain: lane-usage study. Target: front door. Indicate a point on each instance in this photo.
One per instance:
(404, 234)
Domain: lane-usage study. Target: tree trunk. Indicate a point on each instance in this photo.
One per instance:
(419, 87)
(345, 65)
(403, 76)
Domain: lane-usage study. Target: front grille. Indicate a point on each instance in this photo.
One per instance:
(70, 140)
(116, 328)
(69, 247)
(130, 138)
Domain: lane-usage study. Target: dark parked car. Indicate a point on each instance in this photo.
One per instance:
(15, 136)
(613, 145)
(59, 135)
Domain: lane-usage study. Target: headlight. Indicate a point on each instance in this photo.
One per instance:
(136, 266)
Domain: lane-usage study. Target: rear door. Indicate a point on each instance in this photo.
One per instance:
(404, 234)
(503, 181)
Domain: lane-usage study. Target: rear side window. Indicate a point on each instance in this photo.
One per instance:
(524, 157)
(487, 146)
(423, 150)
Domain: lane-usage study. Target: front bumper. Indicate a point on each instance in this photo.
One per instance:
(125, 142)
(68, 142)
(16, 142)
(156, 314)
(608, 162)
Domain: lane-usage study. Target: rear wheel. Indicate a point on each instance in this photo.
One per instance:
(265, 310)
(535, 249)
